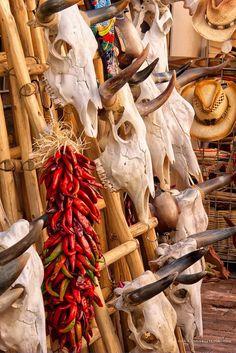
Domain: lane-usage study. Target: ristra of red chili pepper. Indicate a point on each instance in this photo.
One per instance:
(64, 226)
(82, 173)
(63, 287)
(65, 245)
(58, 279)
(88, 189)
(86, 247)
(49, 270)
(56, 252)
(57, 156)
(55, 219)
(88, 202)
(52, 241)
(71, 338)
(85, 261)
(80, 267)
(68, 215)
(56, 178)
(81, 206)
(72, 262)
(68, 327)
(76, 294)
(72, 312)
(83, 220)
(66, 272)
(68, 165)
(60, 262)
(49, 289)
(76, 185)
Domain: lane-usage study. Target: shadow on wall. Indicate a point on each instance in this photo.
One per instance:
(184, 40)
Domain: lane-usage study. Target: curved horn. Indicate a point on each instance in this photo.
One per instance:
(148, 107)
(21, 246)
(149, 291)
(191, 278)
(109, 88)
(46, 12)
(199, 72)
(213, 184)
(163, 77)
(11, 271)
(140, 76)
(211, 236)
(179, 265)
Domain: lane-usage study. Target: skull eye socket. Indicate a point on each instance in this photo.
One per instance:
(138, 318)
(62, 47)
(126, 131)
(181, 293)
(150, 338)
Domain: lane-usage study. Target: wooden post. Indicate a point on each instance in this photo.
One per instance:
(4, 221)
(27, 90)
(7, 184)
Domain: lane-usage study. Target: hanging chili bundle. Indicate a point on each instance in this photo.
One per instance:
(72, 251)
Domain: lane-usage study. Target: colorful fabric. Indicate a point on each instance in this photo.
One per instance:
(104, 33)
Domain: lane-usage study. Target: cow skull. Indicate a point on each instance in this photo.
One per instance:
(152, 322)
(186, 297)
(125, 163)
(71, 77)
(22, 319)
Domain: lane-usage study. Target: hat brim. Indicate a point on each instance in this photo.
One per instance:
(201, 26)
(223, 127)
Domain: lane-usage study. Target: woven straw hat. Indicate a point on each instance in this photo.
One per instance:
(215, 109)
(216, 23)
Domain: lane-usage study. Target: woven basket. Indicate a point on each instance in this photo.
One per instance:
(218, 205)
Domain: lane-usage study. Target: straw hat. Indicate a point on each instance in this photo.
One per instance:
(215, 109)
(216, 23)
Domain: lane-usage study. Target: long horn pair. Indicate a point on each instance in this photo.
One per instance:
(149, 107)
(140, 295)
(108, 90)
(21, 246)
(181, 264)
(46, 12)
(212, 236)
(11, 271)
(162, 77)
(213, 184)
(199, 72)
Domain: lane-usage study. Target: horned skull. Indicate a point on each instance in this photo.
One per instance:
(152, 323)
(22, 319)
(71, 77)
(125, 163)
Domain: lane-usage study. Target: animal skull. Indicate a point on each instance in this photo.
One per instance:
(152, 323)
(71, 77)
(185, 299)
(125, 163)
(22, 318)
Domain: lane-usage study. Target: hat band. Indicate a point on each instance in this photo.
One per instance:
(214, 26)
(213, 121)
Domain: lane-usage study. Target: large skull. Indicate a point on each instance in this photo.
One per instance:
(152, 323)
(71, 76)
(158, 135)
(22, 318)
(125, 163)
(186, 299)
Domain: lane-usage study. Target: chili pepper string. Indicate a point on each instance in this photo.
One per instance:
(72, 252)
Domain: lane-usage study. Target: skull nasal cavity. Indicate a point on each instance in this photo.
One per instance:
(148, 337)
(181, 293)
(126, 131)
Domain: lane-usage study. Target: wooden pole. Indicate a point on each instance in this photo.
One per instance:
(26, 89)
(7, 184)
(4, 221)
(23, 128)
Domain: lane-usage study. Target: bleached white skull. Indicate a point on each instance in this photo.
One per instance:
(22, 317)
(71, 76)
(158, 136)
(125, 163)
(186, 296)
(185, 299)
(152, 323)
